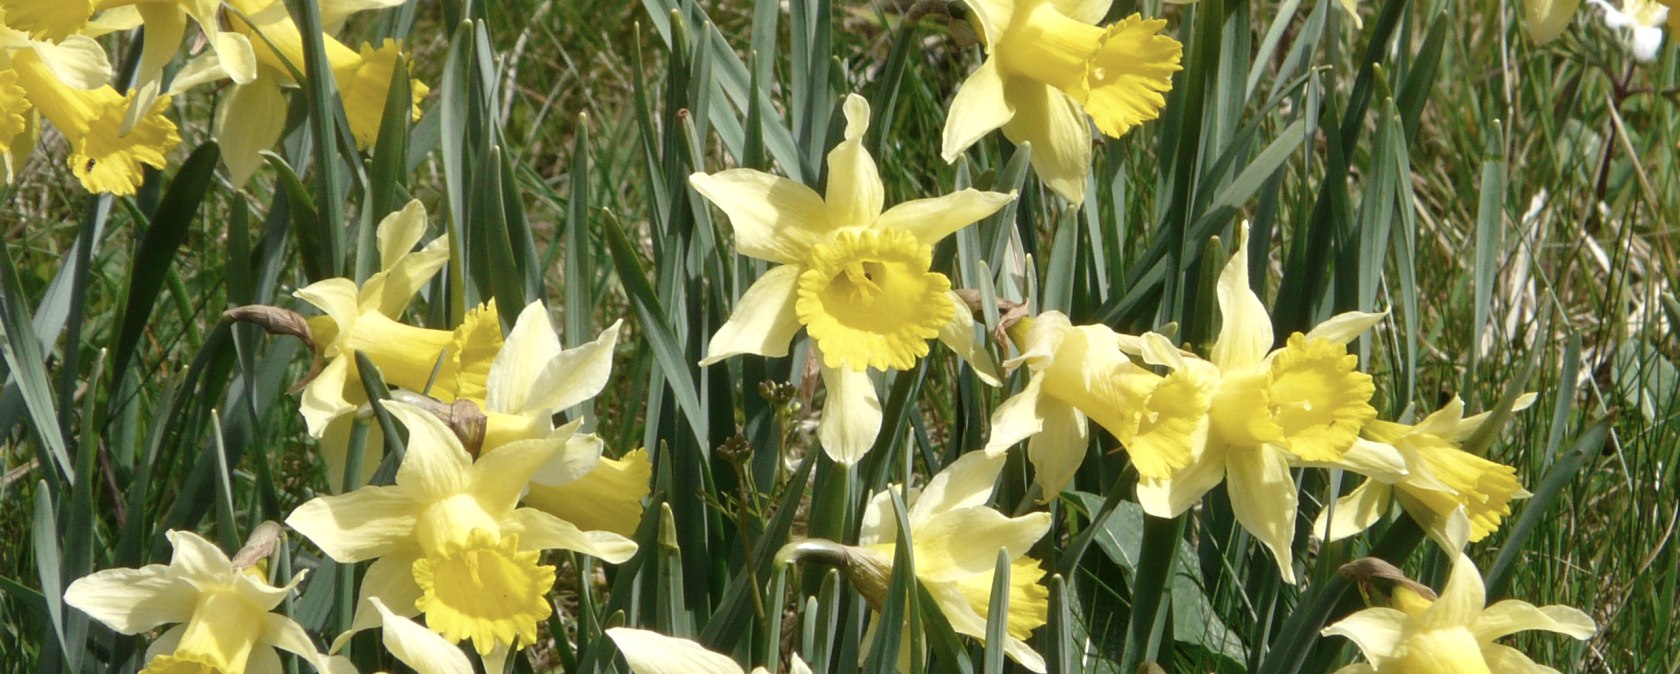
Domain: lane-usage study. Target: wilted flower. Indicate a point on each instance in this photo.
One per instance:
(955, 540)
(448, 540)
(654, 653)
(1420, 634)
(858, 279)
(1047, 68)
(225, 623)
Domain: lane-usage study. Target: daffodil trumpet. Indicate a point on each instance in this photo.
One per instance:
(856, 277)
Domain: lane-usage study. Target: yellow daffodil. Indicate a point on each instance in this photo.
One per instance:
(365, 317)
(1047, 68)
(955, 539)
(1440, 478)
(448, 541)
(654, 653)
(1081, 373)
(223, 615)
(1454, 634)
(607, 498)
(1268, 409)
(856, 278)
(102, 156)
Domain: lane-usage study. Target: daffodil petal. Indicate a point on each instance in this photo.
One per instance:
(1461, 600)
(1245, 332)
(1355, 511)
(654, 653)
(764, 320)
(338, 298)
(1263, 499)
(1377, 631)
(851, 415)
(436, 464)
(1084, 11)
(389, 579)
(499, 475)
(1376, 460)
(1346, 327)
(577, 457)
(966, 541)
(1059, 449)
(774, 218)
(1059, 132)
(958, 335)
(879, 524)
(978, 108)
(196, 560)
(933, 219)
(364, 524)
(77, 61)
(1171, 496)
(285, 634)
(966, 483)
(541, 531)
(1512, 615)
(395, 287)
(424, 650)
(529, 346)
(1507, 660)
(1017, 418)
(575, 375)
(607, 498)
(1547, 19)
(132, 601)
(245, 125)
(323, 407)
(854, 195)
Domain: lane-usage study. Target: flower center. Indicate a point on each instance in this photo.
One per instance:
(1163, 432)
(219, 638)
(868, 299)
(485, 590)
(106, 160)
(1318, 398)
(1484, 488)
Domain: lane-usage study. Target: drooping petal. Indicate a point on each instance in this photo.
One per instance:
(77, 61)
(854, 195)
(764, 320)
(1376, 460)
(1263, 499)
(935, 218)
(538, 530)
(1507, 660)
(390, 579)
(1512, 615)
(1060, 135)
(131, 601)
(774, 218)
(654, 653)
(1547, 19)
(1171, 496)
(958, 335)
(245, 125)
(1377, 631)
(851, 415)
(978, 108)
(364, 524)
(580, 454)
(418, 647)
(285, 634)
(499, 476)
(1017, 418)
(1059, 448)
(1084, 11)
(1354, 512)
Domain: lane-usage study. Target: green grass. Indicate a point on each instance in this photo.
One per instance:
(1566, 275)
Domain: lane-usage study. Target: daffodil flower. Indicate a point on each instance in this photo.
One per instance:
(955, 539)
(1455, 633)
(856, 278)
(1047, 68)
(102, 157)
(223, 616)
(1084, 373)
(1440, 479)
(654, 653)
(448, 541)
(1268, 410)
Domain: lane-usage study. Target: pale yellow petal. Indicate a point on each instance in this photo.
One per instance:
(958, 335)
(435, 465)
(1354, 512)
(367, 523)
(538, 530)
(77, 61)
(1058, 450)
(879, 525)
(1547, 19)
(774, 218)
(324, 406)
(966, 483)
(571, 377)
(1376, 460)
(1461, 600)
(1017, 418)
(1173, 495)
(608, 498)
(1084, 11)
(967, 541)
(978, 108)
(1513, 615)
(764, 320)
(285, 634)
(132, 601)
(1059, 132)
(1263, 499)
(500, 475)
(1346, 327)
(391, 580)
(245, 125)
(854, 195)
(1507, 660)
(391, 291)
(933, 219)
(578, 456)
(851, 415)
(424, 650)
(654, 653)
(1378, 632)
(198, 561)
(529, 347)
(1245, 332)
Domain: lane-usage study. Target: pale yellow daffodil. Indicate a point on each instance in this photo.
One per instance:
(448, 541)
(1049, 73)
(1440, 478)
(1084, 372)
(1453, 634)
(104, 157)
(955, 540)
(650, 652)
(223, 616)
(1268, 410)
(856, 278)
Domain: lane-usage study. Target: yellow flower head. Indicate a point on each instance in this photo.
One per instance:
(955, 539)
(1440, 478)
(365, 83)
(1047, 68)
(1269, 410)
(1454, 634)
(857, 277)
(104, 157)
(223, 616)
(449, 540)
(1084, 372)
